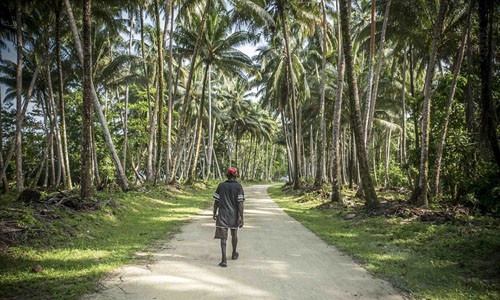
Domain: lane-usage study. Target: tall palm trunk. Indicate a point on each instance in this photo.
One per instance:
(87, 112)
(369, 193)
(420, 192)
(122, 178)
(19, 87)
(295, 131)
(337, 113)
(211, 131)
(61, 170)
(187, 96)
(159, 94)
(403, 118)
(488, 115)
(62, 114)
(444, 128)
(321, 158)
(127, 90)
(199, 130)
(149, 157)
(380, 59)
(369, 86)
(13, 144)
(168, 154)
(469, 109)
(5, 183)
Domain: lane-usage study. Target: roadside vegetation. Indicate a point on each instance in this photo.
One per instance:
(56, 252)
(444, 252)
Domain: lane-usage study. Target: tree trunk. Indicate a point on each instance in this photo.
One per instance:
(469, 109)
(5, 183)
(444, 127)
(127, 90)
(19, 96)
(403, 118)
(321, 158)
(12, 147)
(337, 114)
(122, 178)
(387, 158)
(61, 170)
(295, 131)
(168, 154)
(488, 110)
(187, 96)
(62, 114)
(369, 86)
(373, 94)
(420, 192)
(199, 130)
(369, 193)
(159, 93)
(87, 113)
(413, 94)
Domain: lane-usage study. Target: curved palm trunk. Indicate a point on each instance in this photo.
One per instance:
(12, 147)
(19, 87)
(369, 193)
(122, 178)
(369, 86)
(442, 137)
(380, 59)
(337, 113)
(420, 192)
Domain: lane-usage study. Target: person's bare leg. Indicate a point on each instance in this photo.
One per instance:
(223, 263)
(234, 241)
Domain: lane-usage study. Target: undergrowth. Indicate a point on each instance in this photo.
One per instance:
(63, 256)
(446, 256)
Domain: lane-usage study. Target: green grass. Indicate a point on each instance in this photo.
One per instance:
(78, 249)
(459, 260)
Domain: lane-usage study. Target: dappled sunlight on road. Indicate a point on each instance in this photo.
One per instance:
(279, 259)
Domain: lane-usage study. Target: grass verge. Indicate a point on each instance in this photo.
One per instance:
(74, 250)
(452, 260)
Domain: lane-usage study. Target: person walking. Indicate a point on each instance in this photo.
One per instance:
(229, 201)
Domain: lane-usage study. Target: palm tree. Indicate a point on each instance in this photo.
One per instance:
(369, 193)
(87, 112)
(95, 100)
(442, 137)
(488, 115)
(420, 192)
(337, 113)
(19, 87)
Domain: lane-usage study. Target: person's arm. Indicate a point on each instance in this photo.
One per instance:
(241, 208)
(216, 206)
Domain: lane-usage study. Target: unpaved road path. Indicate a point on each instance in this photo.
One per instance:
(279, 259)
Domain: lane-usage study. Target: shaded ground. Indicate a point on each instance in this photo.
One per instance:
(279, 259)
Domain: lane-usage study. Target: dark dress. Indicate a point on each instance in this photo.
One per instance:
(228, 195)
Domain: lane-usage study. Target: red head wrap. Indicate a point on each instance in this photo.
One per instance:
(232, 172)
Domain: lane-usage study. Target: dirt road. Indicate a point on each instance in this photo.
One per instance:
(279, 259)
